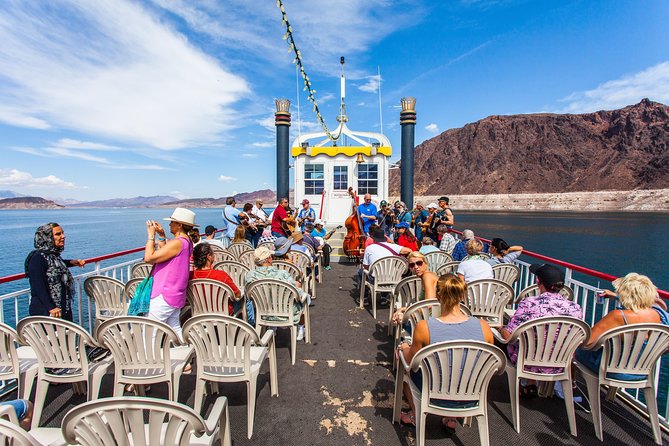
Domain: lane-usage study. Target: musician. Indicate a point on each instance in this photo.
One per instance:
(320, 235)
(418, 216)
(367, 212)
(253, 231)
(260, 214)
(445, 214)
(306, 214)
(431, 222)
(231, 216)
(279, 216)
(402, 214)
(385, 218)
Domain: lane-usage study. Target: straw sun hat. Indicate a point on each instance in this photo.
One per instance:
(183, 216)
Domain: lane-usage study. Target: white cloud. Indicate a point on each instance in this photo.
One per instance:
(17, 178)
(652, 83)
(372, 85)
(432, 128)
(262, 144)
(268, 123)
(109, 68)
(250, 155)
(226, 179)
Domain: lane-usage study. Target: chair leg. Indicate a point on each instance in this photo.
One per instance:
(514, 396)
(40, 397)
(293, 343)
(273, 379)
(363, 285)
(26, 382)
(484, 434)
(651, 403)
(420, 427)
(200, 388)
(595, 404)
(569, 404)
(399, 384)
(373, 296)
(250, 405)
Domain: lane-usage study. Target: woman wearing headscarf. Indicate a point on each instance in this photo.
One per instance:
(51, 283)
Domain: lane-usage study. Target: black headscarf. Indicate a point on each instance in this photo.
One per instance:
(58, 276)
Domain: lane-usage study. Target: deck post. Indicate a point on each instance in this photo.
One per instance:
(282, 123)
(408, 124)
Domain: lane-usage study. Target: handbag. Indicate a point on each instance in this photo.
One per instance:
(141, 300)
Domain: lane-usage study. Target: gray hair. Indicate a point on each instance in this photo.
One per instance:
(467, 234)
(427, 241)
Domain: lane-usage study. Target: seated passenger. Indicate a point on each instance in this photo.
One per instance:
(405, 237)
(459, 250)
(638, 305)
(475, 267)
(548, 303)
(451, 325)
(418, 266)
(24, 412)
(428, 246)
(503, 253)
(446, 242)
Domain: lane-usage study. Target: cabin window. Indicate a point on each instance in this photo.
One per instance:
(314, 179)
(368, 179)
(340, 177)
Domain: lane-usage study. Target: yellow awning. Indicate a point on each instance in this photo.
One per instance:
(350, 151)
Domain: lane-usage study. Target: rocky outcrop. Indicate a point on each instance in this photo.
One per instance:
(622, 149)
(28, 203)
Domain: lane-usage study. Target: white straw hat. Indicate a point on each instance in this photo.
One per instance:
(183, 216)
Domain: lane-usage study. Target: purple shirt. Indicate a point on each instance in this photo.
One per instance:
(547, 304)
(170, 278)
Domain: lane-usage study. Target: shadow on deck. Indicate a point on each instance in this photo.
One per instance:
(340, 392)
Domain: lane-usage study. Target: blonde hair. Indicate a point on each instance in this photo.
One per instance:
(635, 291)
(416, 254)
(240, 234)
(474, 246)
(451, 290)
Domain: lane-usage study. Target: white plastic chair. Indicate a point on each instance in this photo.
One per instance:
(247, 259)
(143, 354)
(130, 287)
(18, 363)
(13, 434)
(486, 298)
(387, 272)
(453, 371)
(549, 341)
(318, 262)
(108, 295)
(481, 255)
(120, 421)
(448, 268)
(274, 301)
(236, 270)
(406, 293)
(223, 255)
(268, 245)
(294, 271)
(208, 296)
(237, 248)
(140, 270)
(630, 349)
(230, 350)
(506, 272)
(437, 258)
(306, 264)
(60, 344)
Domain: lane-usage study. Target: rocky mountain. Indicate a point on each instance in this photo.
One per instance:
(267, 195)
(622, 149)
(28, 203)
(135, 202)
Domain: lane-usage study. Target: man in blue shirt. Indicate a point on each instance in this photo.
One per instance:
(231, 219)
(306, 214)
(367, 212)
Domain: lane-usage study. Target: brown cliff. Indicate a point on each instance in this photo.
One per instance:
(622, 149)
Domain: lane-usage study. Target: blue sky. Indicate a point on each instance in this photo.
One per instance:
(119, 98)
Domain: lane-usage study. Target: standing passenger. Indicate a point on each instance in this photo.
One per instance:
(367, 212)
(51, 283)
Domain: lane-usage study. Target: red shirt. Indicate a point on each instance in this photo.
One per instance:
(220, 276)
(279, 214)
(403, 240)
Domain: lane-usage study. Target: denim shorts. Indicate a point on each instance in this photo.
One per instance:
(20, 406)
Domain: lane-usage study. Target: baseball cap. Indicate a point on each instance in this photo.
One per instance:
(383, 203)
(402, 224)
(547, 274)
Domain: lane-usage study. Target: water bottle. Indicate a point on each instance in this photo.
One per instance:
(599, 293)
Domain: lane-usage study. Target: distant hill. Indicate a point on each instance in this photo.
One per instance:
(136, 202)
(10, 194)
(622, 149)
(28, 203)
(267, 195)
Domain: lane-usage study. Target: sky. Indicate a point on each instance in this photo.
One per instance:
(120, 98)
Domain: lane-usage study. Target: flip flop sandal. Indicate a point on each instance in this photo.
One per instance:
(408, 418)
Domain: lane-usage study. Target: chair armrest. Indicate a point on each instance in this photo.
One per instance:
(218, 413)
(403, 361)
(267, 338)
(7, 412)
(498, 336)
(303, 296)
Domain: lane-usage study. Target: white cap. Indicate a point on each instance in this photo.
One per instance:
(318, 221)
(432, 206)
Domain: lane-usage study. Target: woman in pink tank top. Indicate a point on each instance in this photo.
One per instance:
(171, 266)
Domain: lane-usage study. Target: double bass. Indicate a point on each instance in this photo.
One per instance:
(354, 242)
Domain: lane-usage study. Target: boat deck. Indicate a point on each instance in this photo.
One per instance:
(340, 391)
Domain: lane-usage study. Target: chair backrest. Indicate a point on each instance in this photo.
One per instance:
(237, 248)
(247, 258)
(273, 299)
(14, 435)
(293, 270)
(108, 295)
(9, 360)
(549, 341)
(130, 287)
(138, 344)
(458, 370)
(141, 270)
(223, 255)
(268, 245)
(408, 290)
(388, 271)
(632, 349)
(236, 270)
(300, 259)
(421, 311)
(120, 421)
(533, 290)
(216, 248)
(506, 272)
(311, 249)
(221, 341)
(448, 268)
(57, 343)
(486, 298)
(437, 258)
(208, 296)
(480, 255)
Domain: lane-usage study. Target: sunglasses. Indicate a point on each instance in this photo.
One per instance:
(416, 263)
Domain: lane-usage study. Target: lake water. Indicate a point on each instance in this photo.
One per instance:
(613, 243)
